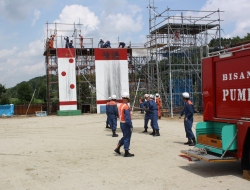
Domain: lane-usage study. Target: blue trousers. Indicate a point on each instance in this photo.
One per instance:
(125, 140)
(154, 121)
(146, 119)
(113, 122)
(188, 128)
(107, 121)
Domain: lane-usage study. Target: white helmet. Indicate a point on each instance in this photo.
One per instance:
(185, 95)
(157, 94)
(109, 98)
(125, 95)
(113, 97)
(146, 95)
(151, 96)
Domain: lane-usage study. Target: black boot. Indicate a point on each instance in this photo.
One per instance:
(127, 154)
(157, 133)
(193, 143)
(114, 135)
(117, 150)
(107, 126)
(189, 142)
(145, 130)
(153, 133)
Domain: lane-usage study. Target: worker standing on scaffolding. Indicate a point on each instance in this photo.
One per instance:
(71, 44)
(67, 42)
(101, 42)
(121, 44)
(51, 42)
(81, 41)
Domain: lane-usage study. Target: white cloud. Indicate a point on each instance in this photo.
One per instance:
(19, 9)
(77, 14)
(19, 65)
(36, 17)
(236, 14)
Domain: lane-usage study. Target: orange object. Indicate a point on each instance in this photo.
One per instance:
(159, 105)
(210, 140)
(51, 41)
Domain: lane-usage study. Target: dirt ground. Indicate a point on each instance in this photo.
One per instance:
(77, 152)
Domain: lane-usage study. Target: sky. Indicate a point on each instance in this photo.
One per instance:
(24, 29)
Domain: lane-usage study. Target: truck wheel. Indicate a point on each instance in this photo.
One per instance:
(245, 161)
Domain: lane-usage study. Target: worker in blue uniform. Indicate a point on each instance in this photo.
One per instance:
(188, 111)
(101, 42)
(112, 111)
(107, 121)
(67, 42)
(121, 44)
(148, 114)
(107, 44)
(152, 106)
(71, 44)
(126, 126)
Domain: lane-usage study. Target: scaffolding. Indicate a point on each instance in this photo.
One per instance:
(85, 65)
(85, 69)
(176, 44)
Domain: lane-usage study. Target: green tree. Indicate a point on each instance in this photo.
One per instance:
(24, 92)
(2, 90)
(41, 93)
(3, 98)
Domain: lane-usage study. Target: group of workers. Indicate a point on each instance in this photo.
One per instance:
(69, 43)
(150, 105)
(107, 44)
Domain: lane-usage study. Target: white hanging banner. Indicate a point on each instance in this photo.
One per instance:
(67, 79)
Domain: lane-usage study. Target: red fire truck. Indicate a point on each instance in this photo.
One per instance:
(224, 134)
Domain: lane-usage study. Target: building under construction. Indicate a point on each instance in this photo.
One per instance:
(169, 63)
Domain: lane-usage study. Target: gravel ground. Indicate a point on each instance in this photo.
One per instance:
(77, 152)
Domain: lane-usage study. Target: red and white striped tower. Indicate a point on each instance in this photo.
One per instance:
(67, 79)
(111, 67)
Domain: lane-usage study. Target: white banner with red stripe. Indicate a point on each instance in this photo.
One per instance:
(67, 79)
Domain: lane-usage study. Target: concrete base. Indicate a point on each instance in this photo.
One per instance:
(68, 112)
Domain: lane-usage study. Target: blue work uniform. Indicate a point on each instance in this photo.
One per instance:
(188, 119)
(100, 44)
(106, 45)
(148, 114)
(152, 106)
(112, 112)
(107, 121)
(126, 125)
(67, 42)
(122, 44)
